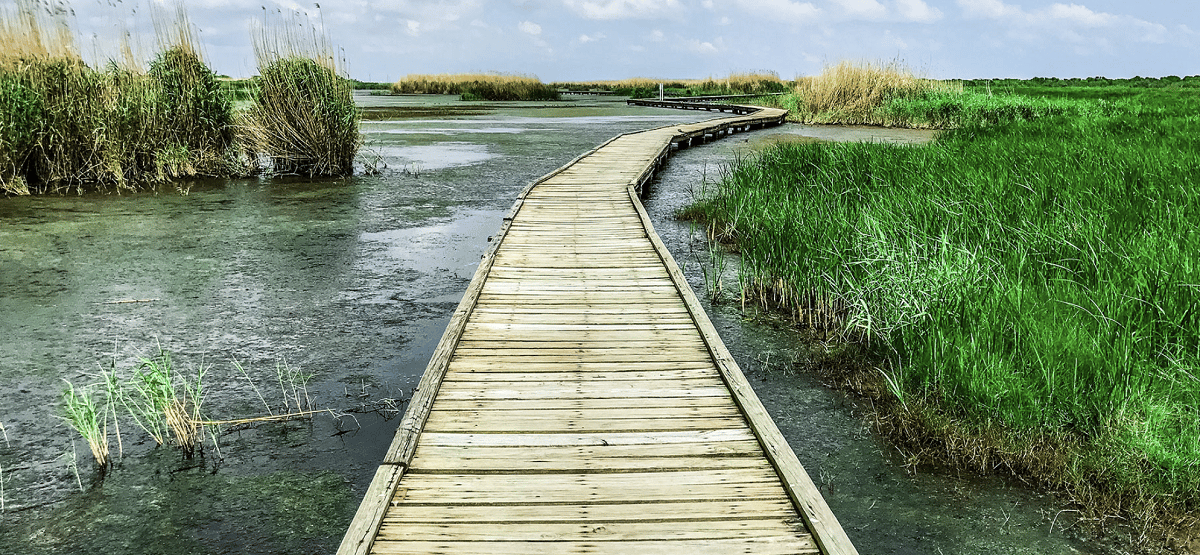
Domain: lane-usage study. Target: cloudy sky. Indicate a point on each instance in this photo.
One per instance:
(560, 40)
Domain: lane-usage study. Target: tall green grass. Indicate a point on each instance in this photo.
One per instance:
(304, 118)
(1029, 281)
(66, 125)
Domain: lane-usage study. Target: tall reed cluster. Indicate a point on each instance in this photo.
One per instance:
(304, 119)
(853, 92)
(478, 86)
(64, 124)
(1027, 284)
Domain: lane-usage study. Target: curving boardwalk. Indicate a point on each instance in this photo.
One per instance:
(581, 402)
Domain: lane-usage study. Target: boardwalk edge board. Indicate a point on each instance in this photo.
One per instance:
(823, 526)
(822, 523)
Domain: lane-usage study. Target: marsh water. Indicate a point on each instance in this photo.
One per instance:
(351, 282)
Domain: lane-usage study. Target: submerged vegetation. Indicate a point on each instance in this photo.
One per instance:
(1024, 289)
(481, 86)
(67, 125)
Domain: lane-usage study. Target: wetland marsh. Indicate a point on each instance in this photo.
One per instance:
(353, 281)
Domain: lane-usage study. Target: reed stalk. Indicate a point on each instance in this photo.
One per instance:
(82, 413)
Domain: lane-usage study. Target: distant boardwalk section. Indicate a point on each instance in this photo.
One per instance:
(580, 400)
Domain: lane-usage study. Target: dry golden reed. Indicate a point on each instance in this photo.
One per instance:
(855, 92)
(478, 86)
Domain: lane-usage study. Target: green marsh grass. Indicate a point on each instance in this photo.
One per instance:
(1026, 286)
(304, 119)
(478, 86)
(65, 124)
(165, 403)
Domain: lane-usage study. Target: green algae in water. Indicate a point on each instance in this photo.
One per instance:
(195, 512)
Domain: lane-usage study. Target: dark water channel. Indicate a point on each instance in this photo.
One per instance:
(352, 281)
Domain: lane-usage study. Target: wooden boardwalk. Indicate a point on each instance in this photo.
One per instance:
(580, 400)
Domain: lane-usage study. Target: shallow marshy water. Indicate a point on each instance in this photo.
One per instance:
(353, 281)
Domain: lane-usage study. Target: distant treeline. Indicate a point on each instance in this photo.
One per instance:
(1173, 81)
(758, 82)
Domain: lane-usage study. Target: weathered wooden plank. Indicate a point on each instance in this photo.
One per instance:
(488, 364)
(501, 357)
(561, 376)
(578, 439)
(444, 459)
(577, 340)
(607, 487)
(619, 402)
(647, 512)
(584, 390)
(596, 531)
(749, 546)
(504, 423)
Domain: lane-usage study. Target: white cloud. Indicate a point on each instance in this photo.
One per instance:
(657, 36)
(625, 9)
(413, 28)
(780, 10)
(862, 9)
(529, 27)
(917, 11)
(1085, 29)
(591, 38)
(698, 47)
(1080, 15)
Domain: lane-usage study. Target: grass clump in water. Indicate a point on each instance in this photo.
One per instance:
(161, 400)
(88, 416)
(1026, 286)
(304, 119)
(168, 404)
